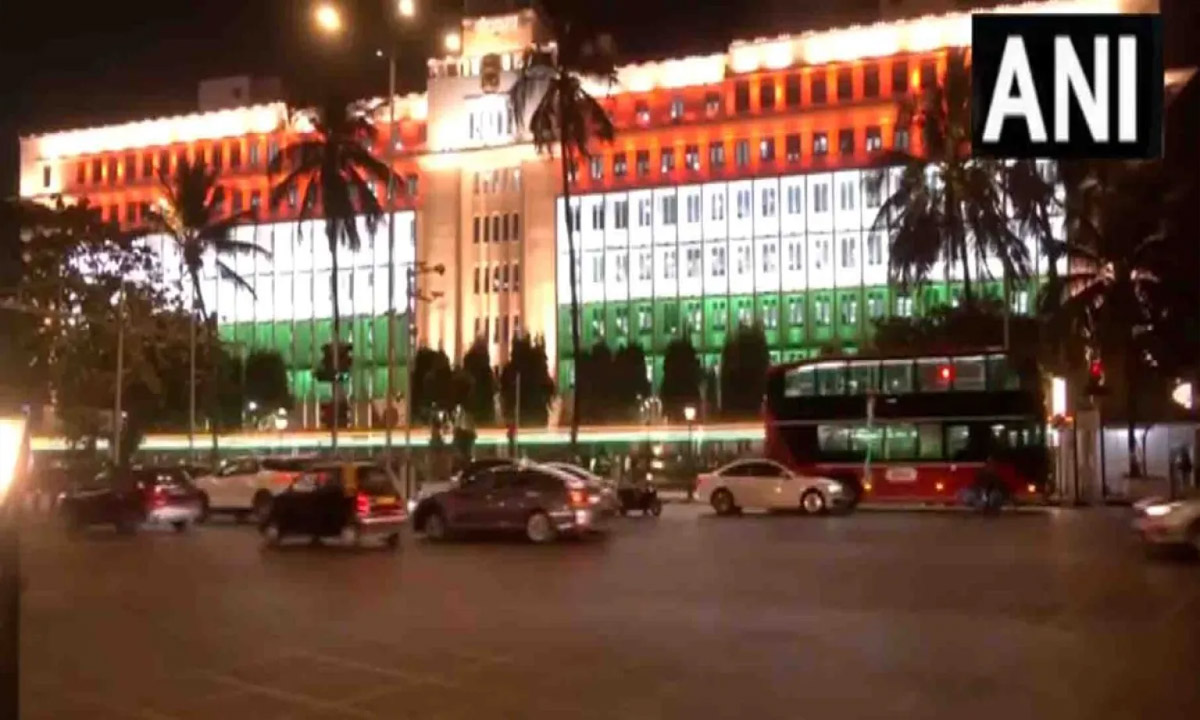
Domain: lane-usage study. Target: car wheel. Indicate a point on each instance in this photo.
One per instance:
(261, 506)
(392, 542)
(204, 505)
(435, 527)
(539, 528)
(722, 502)
(812, 502)
(655, 507)
(180, 525)
(272, 534)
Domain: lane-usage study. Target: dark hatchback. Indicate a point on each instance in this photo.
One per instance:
(541, 502)
(350, 501)
(126, 499)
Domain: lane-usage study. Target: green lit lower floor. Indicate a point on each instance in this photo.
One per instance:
(798, 325)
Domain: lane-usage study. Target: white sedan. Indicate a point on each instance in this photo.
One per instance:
(767, 485)
(1162, 522)
(246, 487)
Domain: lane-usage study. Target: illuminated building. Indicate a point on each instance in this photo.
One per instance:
(733, 193)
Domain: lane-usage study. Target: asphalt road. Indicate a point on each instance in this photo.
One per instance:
(878, 615)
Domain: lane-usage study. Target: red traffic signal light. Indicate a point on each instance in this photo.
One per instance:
(1096, 369)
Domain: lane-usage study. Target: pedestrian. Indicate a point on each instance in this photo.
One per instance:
(1183, 465)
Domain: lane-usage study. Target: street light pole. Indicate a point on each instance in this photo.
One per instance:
(410, 295)
(390, 411)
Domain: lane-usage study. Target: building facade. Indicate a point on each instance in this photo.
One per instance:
(742, 187)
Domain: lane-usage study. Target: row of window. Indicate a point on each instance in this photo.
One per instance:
(932, 442)
(499, 180)
(859, 377)
(151, 164)
(498, 329)
(504, 277)
(717, 159)
(497, 228)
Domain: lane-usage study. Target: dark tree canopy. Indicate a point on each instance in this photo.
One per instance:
(682, 376)
(744, 364)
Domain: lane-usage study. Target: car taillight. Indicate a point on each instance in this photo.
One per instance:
(579, 498)
(362, 504)
(158, 497)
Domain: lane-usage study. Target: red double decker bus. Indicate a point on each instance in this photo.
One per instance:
(930, 428)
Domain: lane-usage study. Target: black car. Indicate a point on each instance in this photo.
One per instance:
(350, 501)
(539, 501)
(126, 499)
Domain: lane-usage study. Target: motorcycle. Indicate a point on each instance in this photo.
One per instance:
(639, 497)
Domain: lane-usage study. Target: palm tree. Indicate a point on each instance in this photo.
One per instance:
(192, 214)
(550, 101)
(949, 206)
(1112, 292)
(334, 167)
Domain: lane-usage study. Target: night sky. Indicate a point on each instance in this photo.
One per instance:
(83, 63)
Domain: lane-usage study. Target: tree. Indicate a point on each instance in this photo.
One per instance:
(480, 399)
(630, 386)
(945, 204)
(682, 376)
(529, 369)
(267, 382)
(334, 168)
(432, 383)
(594, 384)
(744, 364)
(549, 99)
(192, 215)
(1113, 295)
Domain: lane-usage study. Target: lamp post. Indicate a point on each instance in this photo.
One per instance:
(12, 453)
(689, 414)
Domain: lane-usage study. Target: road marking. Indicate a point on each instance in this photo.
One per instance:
(291, 697)
(486, 658)
(415, 678)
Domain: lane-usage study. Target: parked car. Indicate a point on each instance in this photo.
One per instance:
(765, 484)
(245, 487)
(539, 501)
(130, 498)
(463, 477)
(351, 501)
(1163, 522)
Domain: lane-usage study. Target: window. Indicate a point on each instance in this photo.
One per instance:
(645, 266)
(236, 200)
(818, 88)
(846, 195)
(112, 171)
(80, 173)
(643, 163)
(131, 212)
(874, 139)
(820, 199)
(164, 162)
(900, 140)
(766, 149)
(742, 259)
(928, 74)
(644, 212)
(252, 154)
(871, 81)
(130, 168)
(676, 108)
(97, 170)
(147, 165)
(845, 84)
(255, 199)
(670, 210)
(820, 144)
(693, 208)
(741, 153)
(716, 154)
(598, 217)
(904, 306)
(669, 265)
(769, 253)
(718, 261)
(496, 225)
(821, 248)
(46, 176)
(692, 259)
(795, 255)
(770, 315)
(741, 96)
(217, 160)
(849, 253)
(621, 214)
(791, 91)
(821, 313)
(668, 161)
(899, 76)
(235, 155)
(795, 201)
(620, 165)
(622, 268)
(597, 167)
(516, 283)
(516, 226)
(768, 202)
(645, 319)
(791, 147)
(846, 142)
(477, 230)
(718, 207)
(597, 268)
(642, 112)
(796, 311)
(766, 95)
(712, 104)
(743, 204)
(691, 157)
(874, 249)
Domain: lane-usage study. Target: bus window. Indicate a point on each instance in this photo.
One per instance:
(800, 382)
(934, 374)
(969, 373)
(864, 438)
(969, 442)
(900, 442)
(897, 376)
(1000, 375)
(831, 379)
(863, 377)
(833, 440)
(929, 441)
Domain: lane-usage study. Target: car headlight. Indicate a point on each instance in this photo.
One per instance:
(1161, 509)
(833, 486)
(412, 505)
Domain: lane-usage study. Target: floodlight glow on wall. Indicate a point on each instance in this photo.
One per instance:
(12, 438)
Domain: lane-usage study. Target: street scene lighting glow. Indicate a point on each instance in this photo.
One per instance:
(453, 42)
(406, 8)
(328, 18)
(12, 433)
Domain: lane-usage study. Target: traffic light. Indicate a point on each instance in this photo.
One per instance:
(324, 371)
(1095, 383)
